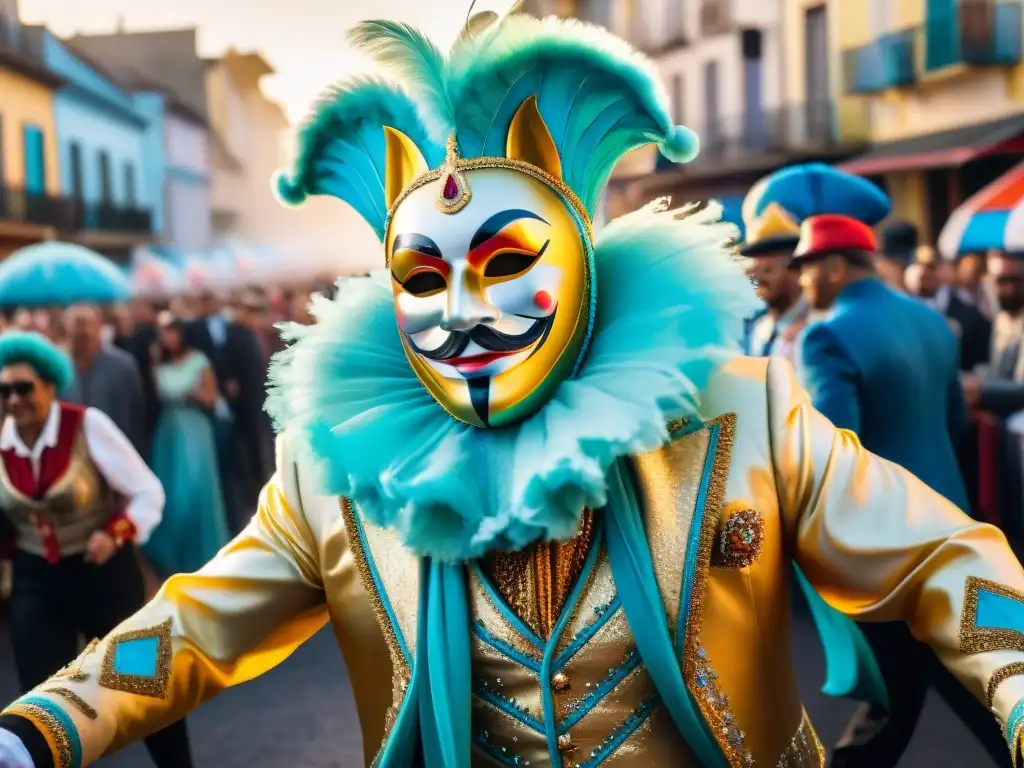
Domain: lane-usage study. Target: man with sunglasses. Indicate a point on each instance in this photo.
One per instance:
(77, 496)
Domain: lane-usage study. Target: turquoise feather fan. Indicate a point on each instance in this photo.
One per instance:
(598, 97)
(341, 147)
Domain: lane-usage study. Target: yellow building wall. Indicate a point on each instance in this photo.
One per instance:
(852, 24)
(852, 116)
(908, 13)
(907, 191)
(23, 100)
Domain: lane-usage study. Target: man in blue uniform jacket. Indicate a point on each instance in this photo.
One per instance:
(885, 367)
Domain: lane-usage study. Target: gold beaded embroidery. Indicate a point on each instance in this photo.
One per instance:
(154, 686)
(402, 674)
(1001, 674)
(740, 540)
(505, 163)
(974, 639)
(692, 661)
(51, 728)
(74, 699)
(73, 671)
(805, 749)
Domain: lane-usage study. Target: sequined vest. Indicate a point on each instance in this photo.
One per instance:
(557, 679)
(67, 503)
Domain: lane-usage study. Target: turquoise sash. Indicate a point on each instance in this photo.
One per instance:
(851, 670)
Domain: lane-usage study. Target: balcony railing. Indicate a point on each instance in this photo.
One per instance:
(103, 217)
(888, 62)
(975, 32)
(22, 207)
(794, 130)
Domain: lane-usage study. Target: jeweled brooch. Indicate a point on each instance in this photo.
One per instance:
(740, 540)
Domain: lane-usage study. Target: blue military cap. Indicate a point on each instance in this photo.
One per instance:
(812, 189)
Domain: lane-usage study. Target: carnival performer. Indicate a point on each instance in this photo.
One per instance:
(528, 465)
(78, 497)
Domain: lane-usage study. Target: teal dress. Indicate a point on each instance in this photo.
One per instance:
(194, 525)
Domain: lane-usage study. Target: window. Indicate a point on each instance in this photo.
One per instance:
(753, 96)
(678, 100)
(675, 23)
(35, 159)
(818, 116)
(711, 103)
(596, 12)
(106, 191)
(75, 162)
(129, 185)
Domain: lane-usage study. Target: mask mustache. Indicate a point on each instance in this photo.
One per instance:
(486, 337)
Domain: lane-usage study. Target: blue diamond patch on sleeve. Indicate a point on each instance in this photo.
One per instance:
(139, 661)
(993, 617)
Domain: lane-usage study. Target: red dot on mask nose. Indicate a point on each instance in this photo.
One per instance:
(543, 300)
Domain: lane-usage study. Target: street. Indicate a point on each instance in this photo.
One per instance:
(302, 714)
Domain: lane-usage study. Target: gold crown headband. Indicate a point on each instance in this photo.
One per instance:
(529, 147)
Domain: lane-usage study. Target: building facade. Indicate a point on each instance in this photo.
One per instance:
(101, 150)
(31, 208)
(251, 141)
(167, 79)
(727, 66)
(943, 84)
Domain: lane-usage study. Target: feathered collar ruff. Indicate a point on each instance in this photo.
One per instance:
(670, 306)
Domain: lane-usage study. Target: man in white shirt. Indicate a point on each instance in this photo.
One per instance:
(78, 497)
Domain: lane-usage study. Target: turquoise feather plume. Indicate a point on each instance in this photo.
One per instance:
(341, 147)
(599, 98)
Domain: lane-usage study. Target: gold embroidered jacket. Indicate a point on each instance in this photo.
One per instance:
(728, 503)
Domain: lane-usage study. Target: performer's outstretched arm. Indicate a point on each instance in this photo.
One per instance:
(242, 614)
(878, 544)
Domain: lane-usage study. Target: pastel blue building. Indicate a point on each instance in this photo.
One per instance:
(106, 142)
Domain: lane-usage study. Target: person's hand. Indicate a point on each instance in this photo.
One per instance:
(972, 390)
(101, 548)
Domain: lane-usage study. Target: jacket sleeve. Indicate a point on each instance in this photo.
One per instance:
(243, 613)
(830, 375)
(879, 545)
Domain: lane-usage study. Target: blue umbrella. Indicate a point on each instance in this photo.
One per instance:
(59, 274)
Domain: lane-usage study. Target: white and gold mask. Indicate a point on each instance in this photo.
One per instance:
(490, 269)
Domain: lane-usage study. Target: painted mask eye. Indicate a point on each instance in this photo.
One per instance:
(510, 264)
(424, 283)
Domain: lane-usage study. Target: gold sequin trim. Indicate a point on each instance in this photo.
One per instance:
(712, 510)
(73, 671)
(740, 540)
(536, 582)
(52, 729)
(974, 639)
(141, 685)
(77, 701)
(502, 163)
(805, 749)
(402, 675)
(1001, 674)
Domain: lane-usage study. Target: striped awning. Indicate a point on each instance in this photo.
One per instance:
(992, 218)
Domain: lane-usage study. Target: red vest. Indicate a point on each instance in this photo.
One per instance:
(54, 460)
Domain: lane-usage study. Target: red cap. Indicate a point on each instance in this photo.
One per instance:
(832, 233)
